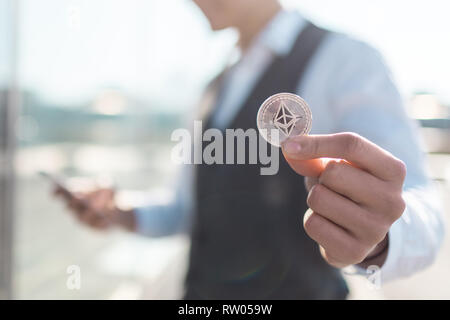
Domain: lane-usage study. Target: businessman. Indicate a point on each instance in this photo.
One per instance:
(288, 235)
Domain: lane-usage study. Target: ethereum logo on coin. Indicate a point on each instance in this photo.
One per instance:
(284, 120)
(281, 116)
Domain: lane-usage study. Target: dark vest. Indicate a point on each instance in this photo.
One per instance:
(248, 240)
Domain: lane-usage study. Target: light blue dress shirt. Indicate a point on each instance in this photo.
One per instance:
(349, 88)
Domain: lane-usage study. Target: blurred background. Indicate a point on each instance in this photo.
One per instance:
(94, 89)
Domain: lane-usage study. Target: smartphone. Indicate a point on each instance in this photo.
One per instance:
(58, 183)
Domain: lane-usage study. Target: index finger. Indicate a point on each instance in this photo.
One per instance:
(349, 146)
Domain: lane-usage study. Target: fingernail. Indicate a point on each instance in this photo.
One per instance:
(292, 147)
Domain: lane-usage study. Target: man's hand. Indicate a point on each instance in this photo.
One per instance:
(353, 200)
(97, 209)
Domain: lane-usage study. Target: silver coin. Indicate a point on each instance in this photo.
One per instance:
(283, 115)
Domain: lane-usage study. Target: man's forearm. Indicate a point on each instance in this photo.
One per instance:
(126, 219)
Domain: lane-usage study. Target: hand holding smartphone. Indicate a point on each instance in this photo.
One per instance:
(95, 208)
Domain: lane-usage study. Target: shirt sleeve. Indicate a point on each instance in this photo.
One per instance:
(167, 213)
(365, 100)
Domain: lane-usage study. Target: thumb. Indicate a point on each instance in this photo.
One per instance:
(309, 167)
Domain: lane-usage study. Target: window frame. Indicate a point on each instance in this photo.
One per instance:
(9, 109)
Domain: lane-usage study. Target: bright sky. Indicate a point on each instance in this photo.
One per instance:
(163, 51)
